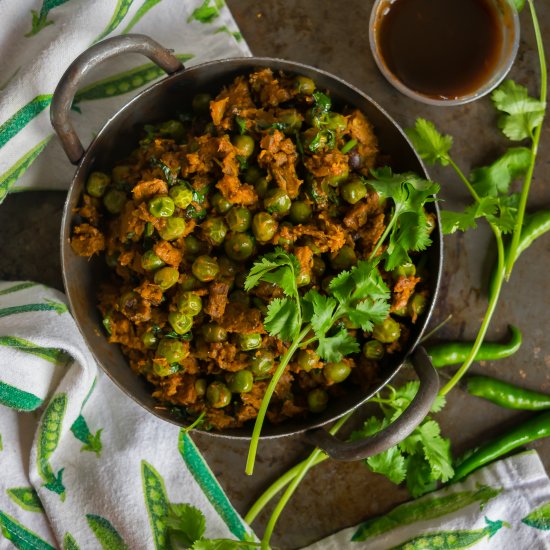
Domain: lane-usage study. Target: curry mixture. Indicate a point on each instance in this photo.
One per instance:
(265, 163)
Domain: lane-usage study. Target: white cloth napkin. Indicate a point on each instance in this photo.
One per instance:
(504, 506)
(90, 468)
(40, 38)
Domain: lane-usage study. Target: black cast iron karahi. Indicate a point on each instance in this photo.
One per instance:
(116, 140)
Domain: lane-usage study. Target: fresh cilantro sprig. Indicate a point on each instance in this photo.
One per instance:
(186, 526)
(422, 458)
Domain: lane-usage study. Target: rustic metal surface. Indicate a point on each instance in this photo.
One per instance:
(334, 37)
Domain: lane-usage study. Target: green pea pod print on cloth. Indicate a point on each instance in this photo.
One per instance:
(50, 305)
(235, 34)
(156, 502)
(20, 536)
(17, 399)
(1, 444)
(121, 10)
(69, 543)
(27, 498)
(7, 179)
(424, 509)
(40, 18)
(9, 79)
(53, 355)
(48, 439)
(144, 8)
(539, 518)
(105, 533)
(92, 442)
(17, 288)
(19, 120)
(122, 83)
(206, 13)
(452, 540)
(209, 485)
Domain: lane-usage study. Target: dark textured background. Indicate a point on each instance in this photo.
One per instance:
(334, 36)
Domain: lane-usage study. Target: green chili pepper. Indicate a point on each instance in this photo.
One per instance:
(535, 225)
(454, 353)
(507, 395)
(535, 428)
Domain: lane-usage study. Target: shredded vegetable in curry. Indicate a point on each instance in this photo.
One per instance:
(266, 164)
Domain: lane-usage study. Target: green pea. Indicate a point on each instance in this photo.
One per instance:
(201, 103)
(317, 400)
(240, 381)
(165, 370)
(336, 121)
(337, 179)
(300, 212)
(264, 227)
(277, 202)
(249, 342)
(387, 332)
(283, 241)
(319, 266)
(189, 282)
(97, 184)
(261, 363)
(180, 323)
(172, 229)
(213, 333)
(239, 246)
(173, 128)
(344, 258)
(220, 203)
(205, 268)
(291, 119)
(218, 395)
(161, 206)
(200, 387)
(307, 359)
(166, 277)
(128, 301)
(192, 245)
(261, 186)
(304, 85)
(303, 279)
(336, 372)
(373, 349)
(149, 340)
(353, 191)
(114, 200)
(405, 270)
(189, 303)
(416, 305)
(150, 261)
(172, 350)
(252, 175)
(214, 230)
(238, 219)
(182, 195)
(244, 145)
(120, 173)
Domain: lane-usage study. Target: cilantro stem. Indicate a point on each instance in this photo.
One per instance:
(512, 253)
(382, 238)
(299, 473)
(464, 179)
(493, 300)
(253, 448)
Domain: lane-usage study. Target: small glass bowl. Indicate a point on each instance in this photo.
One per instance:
(509, 21)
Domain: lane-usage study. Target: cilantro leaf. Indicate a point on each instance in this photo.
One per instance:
(369, 312)
(507, 213)
(419, 476)
(323, 308)
(277, 267)
(436, 450)
(185, 523)
(223, 544)
(453, 221)
(241, 123)
(429, 143)
(390, 463)
(368, 281)
(519, 4)
(342, 286)
(333, 348)
(495, 179)
(522, 113)
(282, 318)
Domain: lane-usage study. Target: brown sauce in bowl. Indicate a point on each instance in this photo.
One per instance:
(441, 48)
